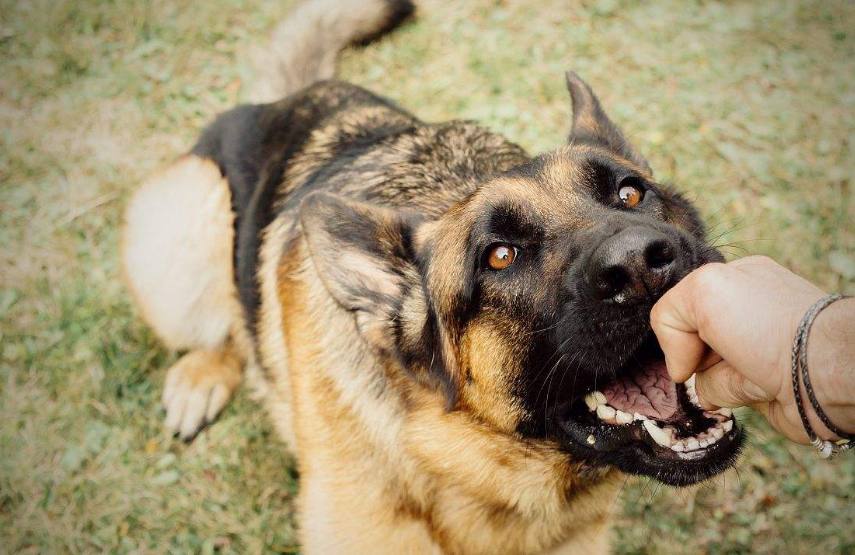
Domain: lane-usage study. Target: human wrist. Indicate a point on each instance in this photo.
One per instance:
(831, 362)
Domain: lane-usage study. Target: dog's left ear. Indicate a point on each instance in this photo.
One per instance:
(364, 257)
(592, 125)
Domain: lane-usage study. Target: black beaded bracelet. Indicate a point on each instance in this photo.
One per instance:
(800, 373)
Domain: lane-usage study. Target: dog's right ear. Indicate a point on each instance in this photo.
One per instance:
(592, 125)
(364, 256)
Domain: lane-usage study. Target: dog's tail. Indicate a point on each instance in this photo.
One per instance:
(305, 45)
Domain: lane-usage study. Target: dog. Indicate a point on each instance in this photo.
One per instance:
(450, 334)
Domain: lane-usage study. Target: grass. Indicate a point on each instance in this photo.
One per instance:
(747, 105)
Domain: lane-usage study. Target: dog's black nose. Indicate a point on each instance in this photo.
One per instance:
(636, 264)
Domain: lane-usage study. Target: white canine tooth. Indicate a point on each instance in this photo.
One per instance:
(691, 391)
(605, 412)
(591, 401)
(727, 426)
(659, 435)
(623, 417)
(601, 399)
(706, 442)
(638, 417)
(678, 446)
(692, 444)
(725, 412)
(693, 397)
(718, 417)
(691, 455)
(717, 433)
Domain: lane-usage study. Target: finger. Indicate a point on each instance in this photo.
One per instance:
(755, 260)
(710, 359)
(722, 386)
(675, 325)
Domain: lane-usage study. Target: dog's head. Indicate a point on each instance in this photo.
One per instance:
(527, 303)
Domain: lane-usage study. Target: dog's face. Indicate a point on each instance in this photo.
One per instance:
(527, 304)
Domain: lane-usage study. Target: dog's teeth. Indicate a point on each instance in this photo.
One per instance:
(636, 417)
(678, 446)
(659, 435)
(623, 417)
(693, 397)
(690, 384)
(692, 444)
(724, 412)
(717, 416)
(706, 442)
(691, 391)
(717, 433)
(601, 399)
(605, 412)
(591, 401)
(727, 426)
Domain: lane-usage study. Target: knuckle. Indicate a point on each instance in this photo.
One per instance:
(708, 276)
(706, 282)
(755, 259)
(656, 315)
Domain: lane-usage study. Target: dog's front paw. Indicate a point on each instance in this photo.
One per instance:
(197, 388)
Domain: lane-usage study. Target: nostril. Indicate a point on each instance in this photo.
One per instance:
(612, 281)
(658, 255)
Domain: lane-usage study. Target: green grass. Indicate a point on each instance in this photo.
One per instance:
(747, 105)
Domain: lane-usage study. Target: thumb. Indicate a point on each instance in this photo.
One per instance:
(723, 386)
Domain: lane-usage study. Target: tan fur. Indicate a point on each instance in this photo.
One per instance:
(304, 46)
(177, 261)
(385, 467)
(389, 470)
(177, 248)
(271, 343)
(197, 388)
(490, 368)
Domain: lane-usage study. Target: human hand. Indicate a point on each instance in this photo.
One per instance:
(734, 325)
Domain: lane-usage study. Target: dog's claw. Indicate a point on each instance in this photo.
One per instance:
(197, 388)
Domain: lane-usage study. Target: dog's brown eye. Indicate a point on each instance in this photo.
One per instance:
(630, 195)
(501, 256)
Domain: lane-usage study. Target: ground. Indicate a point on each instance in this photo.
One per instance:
(746, 105)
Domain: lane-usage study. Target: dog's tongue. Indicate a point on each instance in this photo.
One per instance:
(649, 391)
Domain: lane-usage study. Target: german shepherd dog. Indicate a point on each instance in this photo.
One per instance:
(451, 335)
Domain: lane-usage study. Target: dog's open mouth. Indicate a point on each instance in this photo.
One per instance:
(644, 423)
